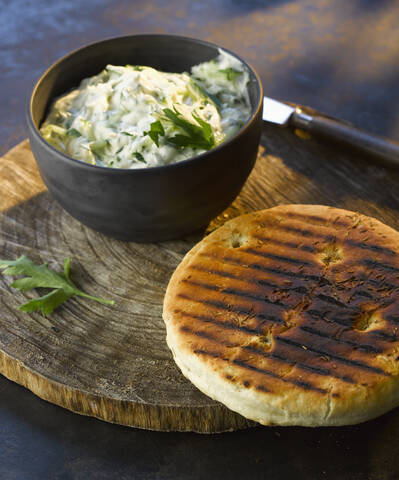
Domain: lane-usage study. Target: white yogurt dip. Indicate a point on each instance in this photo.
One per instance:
(136, 116)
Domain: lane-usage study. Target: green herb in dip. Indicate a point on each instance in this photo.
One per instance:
(136, 116)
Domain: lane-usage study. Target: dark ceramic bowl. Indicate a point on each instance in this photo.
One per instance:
(148, 204)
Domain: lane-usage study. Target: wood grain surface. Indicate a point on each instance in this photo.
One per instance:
(113, 362)
(108, 362)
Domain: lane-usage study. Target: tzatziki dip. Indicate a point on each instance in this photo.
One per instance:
(137, 117)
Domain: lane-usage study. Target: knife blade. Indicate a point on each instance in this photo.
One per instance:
(314, 122)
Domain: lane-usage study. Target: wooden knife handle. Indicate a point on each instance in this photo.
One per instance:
(385, 150)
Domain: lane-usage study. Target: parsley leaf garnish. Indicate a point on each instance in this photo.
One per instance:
(196, 136)
(156, 129)
(40, 276)
(139, 157)
(231, 73)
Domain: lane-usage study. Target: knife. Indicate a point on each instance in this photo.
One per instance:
(319, 124)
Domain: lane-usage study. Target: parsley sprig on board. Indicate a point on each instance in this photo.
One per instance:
(40, 276)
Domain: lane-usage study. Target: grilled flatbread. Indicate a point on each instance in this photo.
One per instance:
(290, 316)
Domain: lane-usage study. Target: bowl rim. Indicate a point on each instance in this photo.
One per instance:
(180, 164)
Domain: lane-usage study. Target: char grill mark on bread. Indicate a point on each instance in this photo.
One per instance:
(268, 373)
(234, 292)
(262, 268)
(257, 351)
(312, 350)
(290, 316)
(367, 348)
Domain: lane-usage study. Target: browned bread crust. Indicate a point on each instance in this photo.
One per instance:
(290, 316)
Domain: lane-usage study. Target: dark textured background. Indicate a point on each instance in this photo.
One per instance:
(338, 56)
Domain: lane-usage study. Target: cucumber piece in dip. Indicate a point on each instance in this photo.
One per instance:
(137, 117)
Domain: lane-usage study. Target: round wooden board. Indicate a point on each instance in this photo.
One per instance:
(112, 362)
(108, 362)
